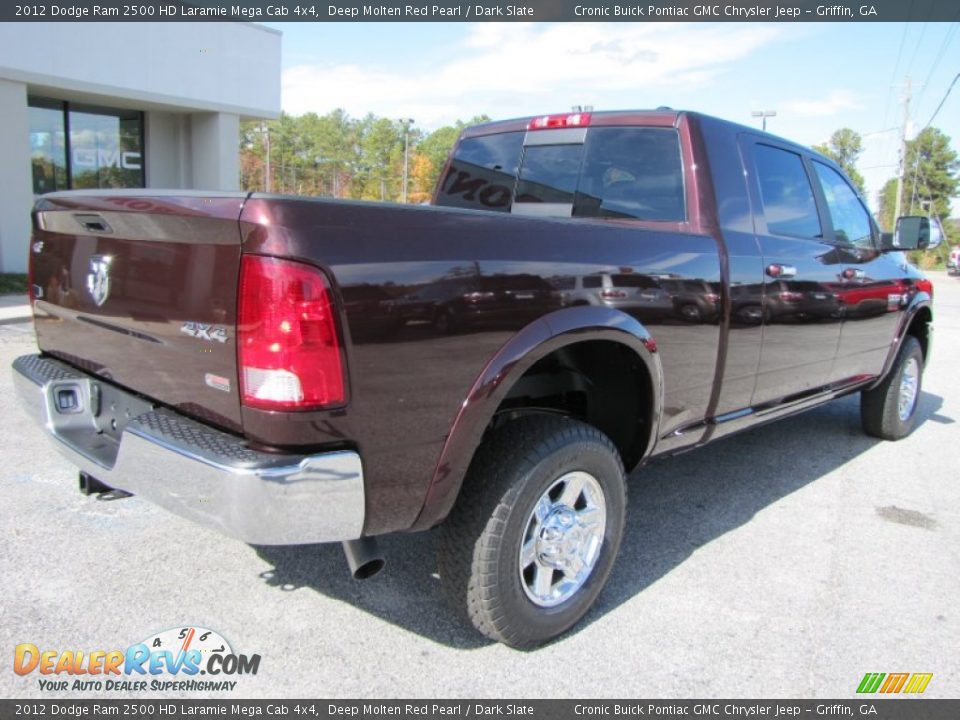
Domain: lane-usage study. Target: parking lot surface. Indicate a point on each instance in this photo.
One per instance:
(784, 562)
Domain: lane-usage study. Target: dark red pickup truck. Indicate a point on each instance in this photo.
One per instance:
(589, 291)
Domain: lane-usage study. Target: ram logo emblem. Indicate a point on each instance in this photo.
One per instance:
(98, 279)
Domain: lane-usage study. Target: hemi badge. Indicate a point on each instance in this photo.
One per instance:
(217, 382)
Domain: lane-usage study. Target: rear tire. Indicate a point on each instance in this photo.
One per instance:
(534, 534)
(691, 313)
(889, 411)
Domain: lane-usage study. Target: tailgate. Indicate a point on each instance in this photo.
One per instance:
(142, 290)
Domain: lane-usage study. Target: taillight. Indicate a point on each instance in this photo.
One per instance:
(566, 120)
(30, 297)
(288, 349)
(712, 298)
(612, 294)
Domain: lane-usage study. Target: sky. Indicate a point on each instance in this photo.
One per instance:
(817, 77)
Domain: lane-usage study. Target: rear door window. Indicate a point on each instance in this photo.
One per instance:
(633, 281)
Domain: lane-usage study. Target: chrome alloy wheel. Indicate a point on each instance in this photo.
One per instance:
(909, 383)
(562, 539)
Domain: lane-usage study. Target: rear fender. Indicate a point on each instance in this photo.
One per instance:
(532, 343)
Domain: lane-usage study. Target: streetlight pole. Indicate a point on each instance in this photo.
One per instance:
(764, 114)
(406, 122)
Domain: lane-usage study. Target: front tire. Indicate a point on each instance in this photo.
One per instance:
(889, 411)
(536, 529)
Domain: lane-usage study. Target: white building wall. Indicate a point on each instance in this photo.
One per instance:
(218, 67)
(215, 158)
(163, 150)
(193, 81)
(16, 185)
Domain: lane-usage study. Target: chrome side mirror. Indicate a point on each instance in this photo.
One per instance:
(915, 232)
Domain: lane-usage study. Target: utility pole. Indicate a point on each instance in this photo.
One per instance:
(901, 166)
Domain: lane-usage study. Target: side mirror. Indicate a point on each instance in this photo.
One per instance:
(914, 232)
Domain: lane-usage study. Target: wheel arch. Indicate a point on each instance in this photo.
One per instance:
(917, 322)
(542, 339)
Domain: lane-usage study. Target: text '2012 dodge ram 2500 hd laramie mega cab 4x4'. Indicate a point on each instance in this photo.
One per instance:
(589, 291)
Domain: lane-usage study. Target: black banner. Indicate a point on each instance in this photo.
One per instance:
(867, 707)
(481, 10)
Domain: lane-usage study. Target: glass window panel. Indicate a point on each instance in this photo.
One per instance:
(786, 194)
(106, 148)
(549, 174)
(483, 172)
(851, 222)
(631, 173)
(48, 155)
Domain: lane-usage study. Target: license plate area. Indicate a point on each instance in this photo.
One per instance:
(81, 409)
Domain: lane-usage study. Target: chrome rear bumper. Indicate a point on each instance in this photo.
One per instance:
(190, 468)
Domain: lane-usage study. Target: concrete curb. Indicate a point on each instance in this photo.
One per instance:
(14, 309)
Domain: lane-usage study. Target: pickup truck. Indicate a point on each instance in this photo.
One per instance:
(587, 292)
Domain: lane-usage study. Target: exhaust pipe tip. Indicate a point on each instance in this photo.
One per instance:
(363, 557)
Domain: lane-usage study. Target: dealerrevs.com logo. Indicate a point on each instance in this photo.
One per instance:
(909, 683)
(179, 659)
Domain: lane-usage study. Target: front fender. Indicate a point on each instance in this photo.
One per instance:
(534, 342)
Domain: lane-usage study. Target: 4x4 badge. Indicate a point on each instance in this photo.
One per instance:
(98, 279)
(203, 331)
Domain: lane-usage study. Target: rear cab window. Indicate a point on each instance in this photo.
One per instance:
(596, 172)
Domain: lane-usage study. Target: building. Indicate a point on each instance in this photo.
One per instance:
(107, 105)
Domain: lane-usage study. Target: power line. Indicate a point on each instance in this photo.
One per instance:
(896, 65)
(947, 39)
(916, 47)
(945, 96)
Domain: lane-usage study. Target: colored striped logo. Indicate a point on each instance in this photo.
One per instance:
(914, 683)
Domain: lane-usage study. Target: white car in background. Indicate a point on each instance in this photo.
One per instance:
(953, 262)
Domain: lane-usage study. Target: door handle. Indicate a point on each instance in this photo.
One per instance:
(93, 223)
(779, 270)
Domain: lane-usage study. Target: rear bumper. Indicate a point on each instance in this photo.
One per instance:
(189, 468)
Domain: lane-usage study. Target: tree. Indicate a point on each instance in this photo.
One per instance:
(380, 165)
(334, 155)
(888, 203)
(422, 176)
(930, 175)
(845, 147)
(930, 179)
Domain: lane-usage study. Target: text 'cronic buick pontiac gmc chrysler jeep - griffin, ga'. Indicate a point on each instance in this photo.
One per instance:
(587, 292)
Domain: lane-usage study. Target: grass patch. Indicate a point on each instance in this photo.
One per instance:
(11, 283)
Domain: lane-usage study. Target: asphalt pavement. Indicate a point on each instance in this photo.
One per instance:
(785, 562)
